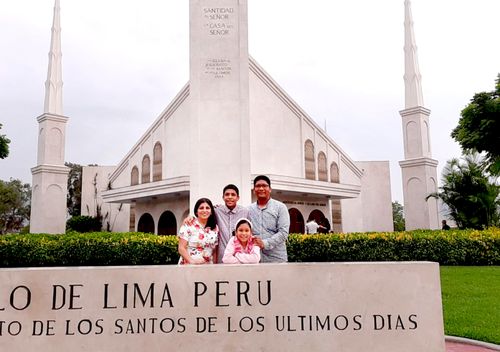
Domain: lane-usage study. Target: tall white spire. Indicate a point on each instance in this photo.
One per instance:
(50, 176)
(418, 169)
(412, 77)
(54, 83)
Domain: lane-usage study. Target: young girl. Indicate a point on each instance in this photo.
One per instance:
(240, 248)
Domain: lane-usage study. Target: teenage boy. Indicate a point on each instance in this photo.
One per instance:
(227, 216)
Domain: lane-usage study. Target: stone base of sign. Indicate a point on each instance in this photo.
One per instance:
(350, 307)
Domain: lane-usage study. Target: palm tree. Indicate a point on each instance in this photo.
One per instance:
(471, 195)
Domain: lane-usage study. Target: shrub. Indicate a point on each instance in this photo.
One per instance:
(454, 247)
(82, 223)
(89, 249)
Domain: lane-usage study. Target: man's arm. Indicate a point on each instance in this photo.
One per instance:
(281, 235)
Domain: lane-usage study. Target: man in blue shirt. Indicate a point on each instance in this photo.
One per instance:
(271, 222)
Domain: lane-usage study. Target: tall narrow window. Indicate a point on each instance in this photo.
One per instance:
(146, 169)
(334, 173)
(134, 176)
(322, 168)
(336, 204)
(132, 217)
(336, 215)
(309, 160)
(157, 162)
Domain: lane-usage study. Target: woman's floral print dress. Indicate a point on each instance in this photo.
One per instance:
(201, 241)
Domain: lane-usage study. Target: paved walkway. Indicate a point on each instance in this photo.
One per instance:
(454, 344)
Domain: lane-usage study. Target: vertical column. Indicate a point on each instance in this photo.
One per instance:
(418, 169)
(219, 120)
(50, 176)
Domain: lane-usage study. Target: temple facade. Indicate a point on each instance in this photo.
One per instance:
(231, 122)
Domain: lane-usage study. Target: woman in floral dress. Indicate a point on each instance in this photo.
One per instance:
(198, 241)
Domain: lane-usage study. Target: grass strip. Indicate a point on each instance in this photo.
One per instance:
(471, 302)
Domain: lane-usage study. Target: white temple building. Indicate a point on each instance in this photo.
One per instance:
(231, 122)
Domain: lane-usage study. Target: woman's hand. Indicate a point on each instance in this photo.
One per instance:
(197, 261)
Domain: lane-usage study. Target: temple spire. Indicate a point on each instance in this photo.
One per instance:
(418, 170)
(412, 78)
(53, 85)
(50, 176)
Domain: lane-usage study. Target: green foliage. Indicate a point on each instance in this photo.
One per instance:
(471, 304)
(4, 145)
(398, 216)
(478, 127)
(470, 194)
(89, 249)
(15, 198)
(83, 224)
(74, 198)
(452, 247)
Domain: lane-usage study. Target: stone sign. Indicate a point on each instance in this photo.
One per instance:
(265, 307)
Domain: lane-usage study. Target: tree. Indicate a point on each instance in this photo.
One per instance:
(471, 195)
(478, 127)
(15, 198)
(74, 200)
(398, 217)
(4, 145)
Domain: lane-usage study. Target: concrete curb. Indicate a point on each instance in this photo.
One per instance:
(464, 340)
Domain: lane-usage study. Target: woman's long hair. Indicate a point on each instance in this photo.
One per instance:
(211, 222)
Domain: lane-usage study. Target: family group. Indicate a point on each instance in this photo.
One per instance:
(233, 234)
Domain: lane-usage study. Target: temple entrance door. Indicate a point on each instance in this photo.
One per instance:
(296, 221)
(321, 219)
(146, 224)
(167, 225)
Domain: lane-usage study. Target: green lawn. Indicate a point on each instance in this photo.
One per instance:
(471, 302)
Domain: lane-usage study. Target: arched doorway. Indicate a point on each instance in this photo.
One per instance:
(146, 224)
(167, 225)
(296, 221)
(321, 219)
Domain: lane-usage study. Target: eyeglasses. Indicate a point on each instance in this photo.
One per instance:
(262, 185)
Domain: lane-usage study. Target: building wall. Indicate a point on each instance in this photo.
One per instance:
(275, 140)
(95, 179)
(278, 132)
(376, 198)
(352, 215)
(171, 130)
(372, 210)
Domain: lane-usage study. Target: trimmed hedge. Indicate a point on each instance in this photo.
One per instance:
(453, 247)
(87, 249)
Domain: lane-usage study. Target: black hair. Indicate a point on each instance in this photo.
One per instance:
(211, 222)
(262, 177)
(233, 187)
(240, 222)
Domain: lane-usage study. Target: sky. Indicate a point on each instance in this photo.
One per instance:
(341, 61)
